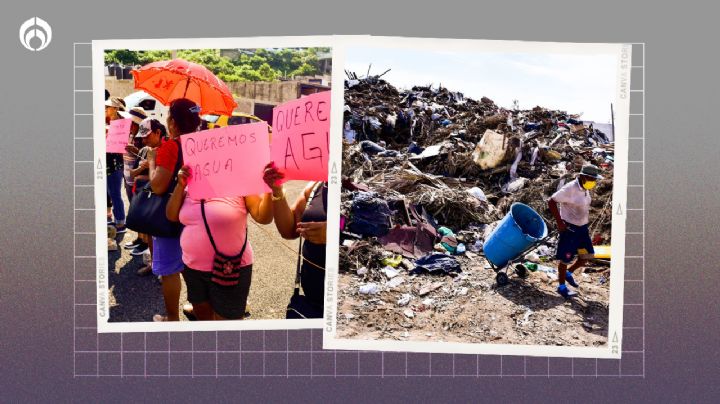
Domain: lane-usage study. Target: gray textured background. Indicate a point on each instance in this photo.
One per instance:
(36, 276)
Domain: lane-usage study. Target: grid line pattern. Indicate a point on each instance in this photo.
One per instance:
(298, 353)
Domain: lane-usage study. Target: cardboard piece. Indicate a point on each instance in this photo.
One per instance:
(227, 161)
(300, 137)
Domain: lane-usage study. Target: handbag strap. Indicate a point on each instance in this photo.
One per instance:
(212, 241)
(300, 257)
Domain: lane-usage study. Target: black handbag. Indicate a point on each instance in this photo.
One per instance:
(300, 307)
(226, 269)
(147, 210)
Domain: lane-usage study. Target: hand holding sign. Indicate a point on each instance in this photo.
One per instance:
(183, 176)
(273, 178)
(300, 138)
(117, 136)
(227, 161)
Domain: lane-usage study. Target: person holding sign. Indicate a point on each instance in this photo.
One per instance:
(151, 132)
(215, 249)
(307, 219)
(114, 168)
(130, 157)
(164, 164)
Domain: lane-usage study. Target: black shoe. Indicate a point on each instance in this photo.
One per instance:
(140, 250)
(132, 244)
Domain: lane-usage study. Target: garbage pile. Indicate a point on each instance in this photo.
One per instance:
(428, 171)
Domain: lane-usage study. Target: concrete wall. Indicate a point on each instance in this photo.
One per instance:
(266, 92)
(119, 88)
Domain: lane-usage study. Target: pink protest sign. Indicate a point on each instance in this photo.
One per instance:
(227, 161)
(300, 137)
(118, 136)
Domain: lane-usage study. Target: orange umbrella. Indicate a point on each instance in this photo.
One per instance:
(169, 80)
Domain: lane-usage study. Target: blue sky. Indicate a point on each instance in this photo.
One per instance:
(575, 83)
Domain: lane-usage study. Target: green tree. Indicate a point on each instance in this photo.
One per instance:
(305, 69)
(122, 56)
(267, 73)
(249, 65)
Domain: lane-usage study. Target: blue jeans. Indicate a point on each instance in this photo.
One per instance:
(114, 187)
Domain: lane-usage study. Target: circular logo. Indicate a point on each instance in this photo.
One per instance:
(35, 34)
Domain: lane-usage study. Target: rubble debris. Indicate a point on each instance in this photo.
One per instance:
(410, 242)
(390, 272)
(395, 282)
(404, 299)
(430, 287)
(478, 193)
(427, 167)
(491, 150)
(392, 261)
(448, 241)
(369, 289)
(436, 264)
(370, 215)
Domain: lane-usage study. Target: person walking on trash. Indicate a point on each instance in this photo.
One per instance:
(570, 206)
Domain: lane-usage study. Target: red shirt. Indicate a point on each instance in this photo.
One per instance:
(167, 154)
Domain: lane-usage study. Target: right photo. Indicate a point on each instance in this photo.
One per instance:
(477, 199)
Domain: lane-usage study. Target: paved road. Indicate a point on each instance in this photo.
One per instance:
(134, 298)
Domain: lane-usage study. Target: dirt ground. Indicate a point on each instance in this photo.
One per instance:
(471, 308)
(134, 298)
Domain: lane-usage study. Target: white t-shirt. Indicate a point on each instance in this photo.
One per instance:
(574, 203)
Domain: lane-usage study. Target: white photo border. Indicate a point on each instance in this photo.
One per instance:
(621, 102)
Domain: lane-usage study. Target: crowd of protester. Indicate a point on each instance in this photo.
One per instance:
(215, 230)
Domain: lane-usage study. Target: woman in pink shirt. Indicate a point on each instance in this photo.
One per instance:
(217, 227)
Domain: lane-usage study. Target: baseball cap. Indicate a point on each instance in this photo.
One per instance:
(148, 125)
(145, 128)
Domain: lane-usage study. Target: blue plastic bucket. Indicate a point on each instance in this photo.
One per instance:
(518, 230)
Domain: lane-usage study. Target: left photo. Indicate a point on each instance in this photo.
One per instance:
(213, 188)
